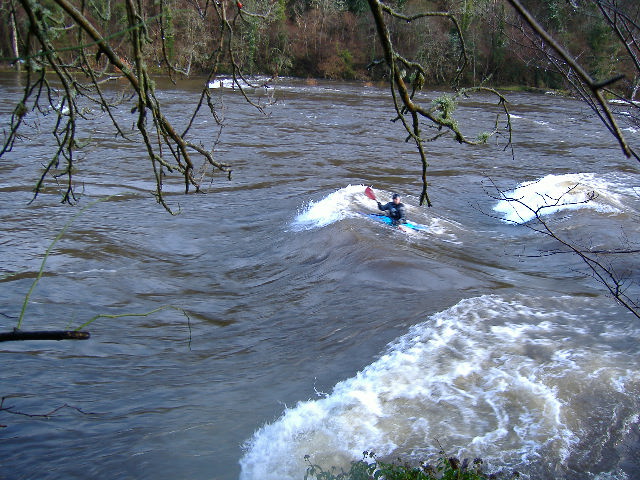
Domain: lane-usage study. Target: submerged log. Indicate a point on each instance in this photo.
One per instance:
(43, 335)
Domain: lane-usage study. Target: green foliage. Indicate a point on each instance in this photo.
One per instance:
(370, 468)
(499, 38)
(468, 12)
(280, 11)
(357, 6)
(250, 45)
(483, 137)
(555, 15)
(347, 64)
(444, 107)
(603, 45)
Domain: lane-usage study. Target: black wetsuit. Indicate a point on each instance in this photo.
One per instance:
(396, 212)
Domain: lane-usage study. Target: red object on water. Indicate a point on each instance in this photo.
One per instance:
(369, 193)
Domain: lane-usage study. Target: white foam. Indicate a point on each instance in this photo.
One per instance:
(330, 209)
(234, 83)
(555, 193)
(487, 377)
(350, 201)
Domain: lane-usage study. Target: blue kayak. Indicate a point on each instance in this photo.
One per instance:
(386, 220)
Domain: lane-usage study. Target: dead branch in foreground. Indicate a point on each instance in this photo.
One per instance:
(18, 334)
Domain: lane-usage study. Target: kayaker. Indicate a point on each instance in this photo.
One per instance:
(395, 209)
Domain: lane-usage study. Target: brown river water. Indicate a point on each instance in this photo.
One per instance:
(314, 330)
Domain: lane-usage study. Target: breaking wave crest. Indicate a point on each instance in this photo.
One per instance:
(554, 193)
(512, 381)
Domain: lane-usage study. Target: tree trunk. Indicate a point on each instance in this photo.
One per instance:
(14, 39)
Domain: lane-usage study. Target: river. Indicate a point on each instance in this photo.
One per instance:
(311, 329)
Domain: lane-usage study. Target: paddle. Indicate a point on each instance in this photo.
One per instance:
(369, 193)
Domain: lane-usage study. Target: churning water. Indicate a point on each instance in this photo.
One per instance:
(314, 330)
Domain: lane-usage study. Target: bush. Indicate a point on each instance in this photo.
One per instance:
(370, 468)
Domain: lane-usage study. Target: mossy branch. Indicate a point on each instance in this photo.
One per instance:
(411, 112)
(145, 314)
(168, 150)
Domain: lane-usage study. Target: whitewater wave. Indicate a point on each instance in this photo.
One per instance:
(555, 193)
(332, 208)
(350, 202)
(512, 381)
(234, 83)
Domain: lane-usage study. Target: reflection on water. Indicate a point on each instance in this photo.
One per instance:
(462, 334)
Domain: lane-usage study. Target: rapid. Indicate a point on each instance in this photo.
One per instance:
(312, 329)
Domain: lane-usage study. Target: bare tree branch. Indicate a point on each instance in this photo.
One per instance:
(439, 114)
(593, 87)
(620, 285)
(49, 414)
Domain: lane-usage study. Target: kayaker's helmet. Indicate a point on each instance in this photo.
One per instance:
(394, 196)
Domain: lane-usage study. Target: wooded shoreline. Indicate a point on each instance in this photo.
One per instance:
(336, 39)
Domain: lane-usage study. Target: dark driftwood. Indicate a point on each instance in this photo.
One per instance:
(43, 335)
